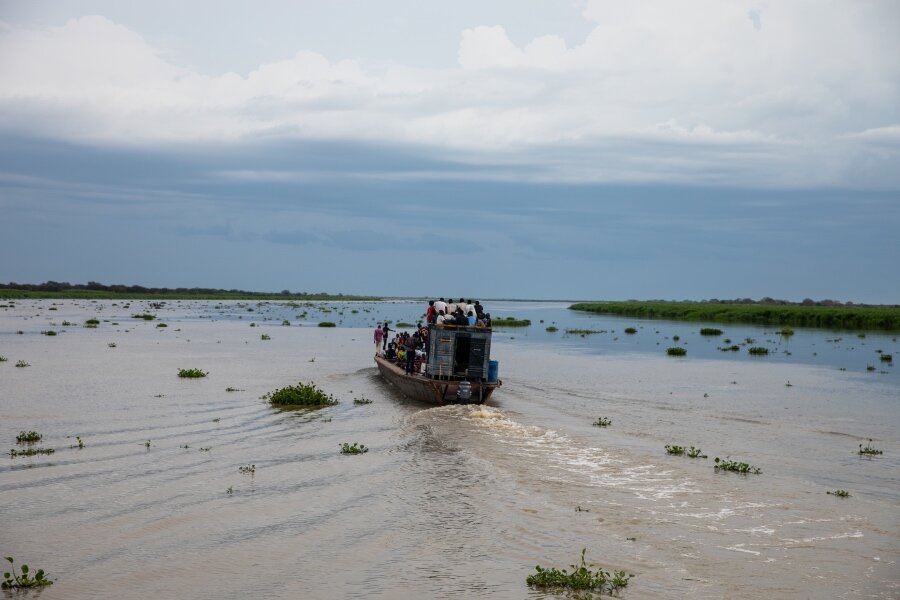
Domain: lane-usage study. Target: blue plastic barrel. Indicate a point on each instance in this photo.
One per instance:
(493, 371)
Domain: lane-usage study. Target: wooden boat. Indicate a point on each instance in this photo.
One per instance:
(458, 371)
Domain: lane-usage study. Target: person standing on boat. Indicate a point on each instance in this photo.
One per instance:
(379, 338)
(385, 330)
(439, 306)
(412, 342)
(430, 313)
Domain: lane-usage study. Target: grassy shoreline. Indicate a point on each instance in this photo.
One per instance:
(834, 317)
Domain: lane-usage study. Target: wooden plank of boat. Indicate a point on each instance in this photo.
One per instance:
(425, 389)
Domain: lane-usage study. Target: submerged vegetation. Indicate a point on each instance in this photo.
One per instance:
(710, 331)
(28, 436)
(580, 579)
(192, 373)
(362, 400)
(758, 351)
(602, 422)
(869, 450)
(843, 317)
(30, 452)
(691, 452)
(302, 394)
(839, 493)
(676, 351)
(327, 324)
(23, 579)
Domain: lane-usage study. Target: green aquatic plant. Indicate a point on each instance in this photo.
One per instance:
(581, 580)
(144, 316)
(675, 450)
(22, 363)
(192, 373)
(735, 466)
(353, 448)
(510, 322)
(551, 329)
(286, 323)
(231, 389)
(93, 322)
(3, 358)
(264, 337)
(362, 400)
(205, 448)
(869, 450)
(30, 452)
(23, 579)
(147, 444)
(327, 324)
(111, 344)
(758, 351)
(676, 351)
(887, 358)
(602, 422)
(868, 367)
(80, 444)
(840, 493)
(161, 325)
(230, 490)
(405, 324)
(710, 331)
(50, 333)
(695, 453)
(302, 394)
(630, 330)
(247, 469)
(28, 437)
(786, 331)
(732, 348)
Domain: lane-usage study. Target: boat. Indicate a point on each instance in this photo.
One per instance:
(458, 370)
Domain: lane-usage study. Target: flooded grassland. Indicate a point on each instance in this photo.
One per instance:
(150, 492)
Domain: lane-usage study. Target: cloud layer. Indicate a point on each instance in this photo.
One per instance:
(795, 93)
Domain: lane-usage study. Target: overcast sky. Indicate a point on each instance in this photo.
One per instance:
(539, 149)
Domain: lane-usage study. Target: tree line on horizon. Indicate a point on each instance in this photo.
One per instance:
(64, 286)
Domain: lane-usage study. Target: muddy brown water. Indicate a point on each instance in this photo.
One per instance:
(452, 502)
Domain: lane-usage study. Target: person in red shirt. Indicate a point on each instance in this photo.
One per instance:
(430, 313)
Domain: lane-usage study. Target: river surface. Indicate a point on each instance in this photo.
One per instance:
(450, 502)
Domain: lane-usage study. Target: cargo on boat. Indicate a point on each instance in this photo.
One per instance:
(457, 367)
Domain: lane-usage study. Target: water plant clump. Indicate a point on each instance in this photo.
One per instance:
(758, 351)
(710, 331)
(30, 452)
(286, 323)
(353, 448)
(144, 316)
(405, 324)
(839, 493)
(192, 373)
(869, 450)
(886, 358)
(602, 422)
(22, 363)
(161, 325)
(23, 579)
(264, 337)
(583, 331)
(49, 332)
(3, 359)
(247, 469)
(510, 322)
(786, 331)
(735, 466)
(630, 330)
(232, 389)
(362, 400)
(695, 453)
(327, 324)
(551, 329)
(92, 322)
(28, 436)
(581, 579)
(302, 394)
(676, 351)
(731, 348)
(675, 450)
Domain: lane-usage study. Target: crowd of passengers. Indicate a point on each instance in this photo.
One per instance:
(410, 350)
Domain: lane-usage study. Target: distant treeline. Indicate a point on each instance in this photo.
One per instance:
(94, 290)
(834, 315)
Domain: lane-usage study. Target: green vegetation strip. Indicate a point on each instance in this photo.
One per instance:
(510, 322)
(192, 373)
(842, 317)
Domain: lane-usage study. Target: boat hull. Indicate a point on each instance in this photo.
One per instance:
(432, 391)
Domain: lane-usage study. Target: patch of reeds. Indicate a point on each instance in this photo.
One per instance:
(302, 394)
(786, 331)
(551, 329)
(3, 359)
(839, 493)
(192, 373)
(691, 452)
(49, 332)
(327, 324)
(362, 400)
(676, 351)
(630, 330)
(758, 351)
(353, 448)
(581, 580)
(22, 363)
(161, 325)
(510, 322)
(710, 331)
(232, 389)
(602, 422)
(886, 358)
(264, 337)
(405, 324)
(247, 469)
(731, 348)
(144, 316)
(93, 322)
(583, 332)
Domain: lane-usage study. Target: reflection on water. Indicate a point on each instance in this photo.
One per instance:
(450, 502)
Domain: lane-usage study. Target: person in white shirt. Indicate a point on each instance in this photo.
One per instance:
(441, 317)
(440, 305)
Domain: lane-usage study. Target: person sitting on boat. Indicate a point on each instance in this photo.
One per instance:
(487, 320)
(441, 318)
(391, 352)
(472, 320)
